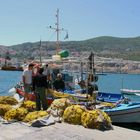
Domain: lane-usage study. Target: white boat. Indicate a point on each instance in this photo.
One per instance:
(130, 91)
(125, 113)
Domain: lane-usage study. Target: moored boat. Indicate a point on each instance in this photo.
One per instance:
(109, 97)
(31, 96)
(100, 96)
(11, 68)
(130, 91)
(124, 113)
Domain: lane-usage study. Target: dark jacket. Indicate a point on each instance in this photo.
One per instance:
(39, 80)
(59, 84)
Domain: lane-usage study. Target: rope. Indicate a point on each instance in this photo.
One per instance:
(51, 36)
(58, 94)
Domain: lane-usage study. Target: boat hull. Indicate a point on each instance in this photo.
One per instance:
(100, 96)
(31, 97)
(130, 91)
(11, 68)
(125, 113)
(109, 97)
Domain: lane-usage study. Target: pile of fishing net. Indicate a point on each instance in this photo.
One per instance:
(35, 115)
(4, 108)
(58, 106)
(109, 105)
(16, 114)
(58, 94)
(22, 114)
(73, 114)
(8, 100)
(29, 105)
(96, 119)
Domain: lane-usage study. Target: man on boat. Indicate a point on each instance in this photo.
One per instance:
(39, 88)
(27, 80)
(59, 84)
(92, 87)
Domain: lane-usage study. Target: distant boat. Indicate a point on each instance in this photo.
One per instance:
(11, 68)
(130, 91)
(101, 73)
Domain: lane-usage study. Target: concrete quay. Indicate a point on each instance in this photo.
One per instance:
(64, 131)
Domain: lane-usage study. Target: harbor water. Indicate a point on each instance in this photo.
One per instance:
(8, 79)
(111, 83)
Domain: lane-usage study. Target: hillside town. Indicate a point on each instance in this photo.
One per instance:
(102, 64)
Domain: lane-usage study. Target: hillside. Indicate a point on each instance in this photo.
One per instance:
(127, 48)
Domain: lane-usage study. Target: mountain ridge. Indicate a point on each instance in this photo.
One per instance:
(107, 46)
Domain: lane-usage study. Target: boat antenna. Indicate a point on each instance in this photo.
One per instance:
(40, 47)
(122, 82)
(58, 29)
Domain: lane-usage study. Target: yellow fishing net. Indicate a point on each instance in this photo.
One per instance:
(58, 106)
(21, 113)
(58, 94)
(17, 114)
(35, 115)
(108, 104)
(73, 114)
(96, 119)
(29, 105)
(8, 100)
(4, 108)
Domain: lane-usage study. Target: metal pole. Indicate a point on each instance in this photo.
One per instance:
(57, 30)
(92, 61)
(87, 79)
(81, 70)
(40, 52)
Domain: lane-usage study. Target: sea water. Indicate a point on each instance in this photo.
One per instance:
(111, 83)
(8, 79)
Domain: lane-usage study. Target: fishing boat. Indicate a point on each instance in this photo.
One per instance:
(125, 113)
(11, 68)
(109, 97)
(130, 91)
(19, 95)
(101, 96)
(10, 65)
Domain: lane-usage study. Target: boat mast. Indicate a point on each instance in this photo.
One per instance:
(40, 47)
(58, 29)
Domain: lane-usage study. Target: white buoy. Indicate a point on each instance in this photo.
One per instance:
(18, 97)
(12, 91)
(56, 57)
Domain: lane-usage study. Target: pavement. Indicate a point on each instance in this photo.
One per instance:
(64, 131)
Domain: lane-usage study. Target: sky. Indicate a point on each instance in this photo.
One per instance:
(27, 20)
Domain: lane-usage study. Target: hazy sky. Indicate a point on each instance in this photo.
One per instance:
(26, 20)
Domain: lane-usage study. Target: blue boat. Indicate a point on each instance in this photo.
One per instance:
(100, 96)
(109, 97)
(124, 113)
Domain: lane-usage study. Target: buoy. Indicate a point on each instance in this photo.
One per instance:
(56, 57)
